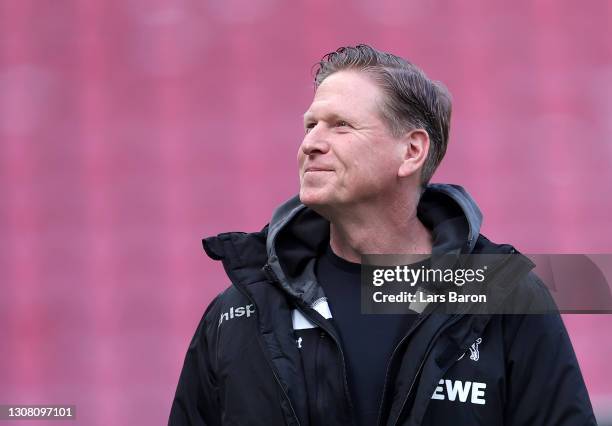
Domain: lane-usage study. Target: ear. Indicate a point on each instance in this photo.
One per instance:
(416, 147)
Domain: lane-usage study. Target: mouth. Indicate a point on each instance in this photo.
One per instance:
(316, 169)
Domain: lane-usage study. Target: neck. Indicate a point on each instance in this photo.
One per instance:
(394, 229)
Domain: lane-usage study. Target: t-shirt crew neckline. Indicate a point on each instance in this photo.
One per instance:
(341, 263)
(355, 268)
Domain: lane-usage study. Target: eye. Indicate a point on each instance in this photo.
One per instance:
(342, 123)
(309, 126)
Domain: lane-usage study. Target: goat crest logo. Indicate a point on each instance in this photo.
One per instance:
(474, 352)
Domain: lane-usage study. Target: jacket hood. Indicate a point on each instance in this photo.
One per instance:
(297, 235)
(290, 244)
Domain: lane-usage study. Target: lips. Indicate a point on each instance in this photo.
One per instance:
(317, 169)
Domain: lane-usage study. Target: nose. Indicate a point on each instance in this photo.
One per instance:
(315, 141)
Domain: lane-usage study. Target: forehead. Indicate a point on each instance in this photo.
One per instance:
(349, 93)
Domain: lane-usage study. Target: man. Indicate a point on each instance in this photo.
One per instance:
(287, 343)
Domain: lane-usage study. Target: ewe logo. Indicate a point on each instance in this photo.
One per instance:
(247, 310)
(454, 390)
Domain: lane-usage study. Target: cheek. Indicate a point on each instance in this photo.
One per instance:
(379, 170)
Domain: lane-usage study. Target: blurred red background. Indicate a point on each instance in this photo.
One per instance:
(130, 129)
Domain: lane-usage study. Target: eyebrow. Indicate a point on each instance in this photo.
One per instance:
(329, 117)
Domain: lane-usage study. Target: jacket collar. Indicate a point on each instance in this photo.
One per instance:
(289, 245)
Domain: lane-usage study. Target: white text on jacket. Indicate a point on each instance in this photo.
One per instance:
(237, 312)
(451, 389)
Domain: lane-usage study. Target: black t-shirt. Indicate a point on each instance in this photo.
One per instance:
(368, 340)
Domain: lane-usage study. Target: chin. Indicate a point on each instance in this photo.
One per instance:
(313, 198)
(308, 199)
(320, 203)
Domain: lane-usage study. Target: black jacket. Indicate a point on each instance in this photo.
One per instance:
(246, 365)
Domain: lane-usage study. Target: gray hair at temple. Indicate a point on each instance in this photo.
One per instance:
(412, 100)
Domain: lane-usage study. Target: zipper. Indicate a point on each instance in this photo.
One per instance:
(421, 367)
(319, 389)
(271, 276)
(263, 348)
(416, 376)
(339, 347)
(389, 362)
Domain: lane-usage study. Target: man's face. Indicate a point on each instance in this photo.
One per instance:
(348, 155)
